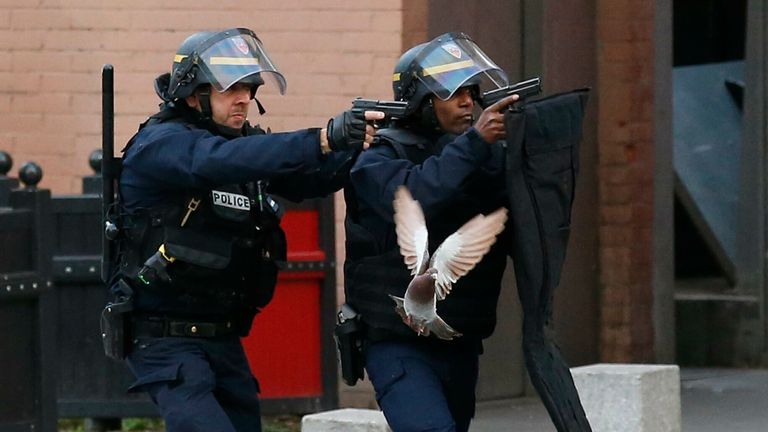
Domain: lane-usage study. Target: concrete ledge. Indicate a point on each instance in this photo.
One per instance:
(630, 397)
(345, 420)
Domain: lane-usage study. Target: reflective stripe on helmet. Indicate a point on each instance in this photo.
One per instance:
(448, 67)
(233, 61)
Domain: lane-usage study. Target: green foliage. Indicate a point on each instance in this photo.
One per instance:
(283, 423)
(143, 424)
(70, 425)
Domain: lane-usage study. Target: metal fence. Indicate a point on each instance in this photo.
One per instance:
(27, 305)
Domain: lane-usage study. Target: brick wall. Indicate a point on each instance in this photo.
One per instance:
(626, 165)
(329, 50)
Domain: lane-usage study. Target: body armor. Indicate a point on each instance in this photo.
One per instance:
(218, 251)
(372, 274)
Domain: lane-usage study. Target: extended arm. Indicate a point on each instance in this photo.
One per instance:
(172, 157)
(331, 175)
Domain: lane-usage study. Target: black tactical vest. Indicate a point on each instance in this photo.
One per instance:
(225, 244)
(371, 275)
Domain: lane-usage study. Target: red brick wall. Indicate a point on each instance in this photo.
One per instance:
(626, 165)
(330, 51)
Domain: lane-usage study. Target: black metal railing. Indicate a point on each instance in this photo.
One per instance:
(27, 303)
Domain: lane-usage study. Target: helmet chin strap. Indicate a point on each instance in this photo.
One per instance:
(428, 118)
(260, 106)
(204, 96)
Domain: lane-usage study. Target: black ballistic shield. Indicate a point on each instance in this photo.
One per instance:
(541, 166)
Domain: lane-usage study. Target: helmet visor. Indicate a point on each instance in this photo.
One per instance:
(236, 56)
(452, 61)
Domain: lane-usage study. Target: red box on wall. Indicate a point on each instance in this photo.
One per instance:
(285, 346)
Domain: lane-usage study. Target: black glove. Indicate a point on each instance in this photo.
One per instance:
(346, 131)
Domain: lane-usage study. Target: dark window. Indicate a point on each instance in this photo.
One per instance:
(709, 31)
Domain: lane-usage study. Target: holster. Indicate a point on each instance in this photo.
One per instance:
(115, 324)
(349, 344)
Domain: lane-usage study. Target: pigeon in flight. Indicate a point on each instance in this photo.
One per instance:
(433, 278)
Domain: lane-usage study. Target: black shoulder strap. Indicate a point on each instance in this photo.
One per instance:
(166, 114)
(406, 144)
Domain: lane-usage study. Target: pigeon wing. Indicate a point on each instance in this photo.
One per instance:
(411, 231)
(462, 250)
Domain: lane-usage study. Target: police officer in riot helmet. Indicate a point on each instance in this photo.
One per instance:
(452, 164)
(200, 239)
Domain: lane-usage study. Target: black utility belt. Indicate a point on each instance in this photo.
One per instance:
(154, 327)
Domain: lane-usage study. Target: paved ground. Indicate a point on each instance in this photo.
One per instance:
(713, 400)
(719, 400)
(518, 415)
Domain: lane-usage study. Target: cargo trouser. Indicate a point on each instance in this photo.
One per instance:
(199, 384)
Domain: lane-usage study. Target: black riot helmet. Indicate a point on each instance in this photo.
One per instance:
(220, 59)
(442, 66)
(404, 87)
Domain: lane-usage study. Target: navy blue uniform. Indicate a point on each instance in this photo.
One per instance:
(170, 157)
(205, 383)
(464, 168)
(423, 384)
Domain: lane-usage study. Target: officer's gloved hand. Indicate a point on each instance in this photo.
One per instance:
(347, 131)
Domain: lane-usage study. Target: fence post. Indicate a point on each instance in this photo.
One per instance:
(6, 183)
(28, 307)
(92, 183)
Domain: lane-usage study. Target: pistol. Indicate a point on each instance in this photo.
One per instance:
(391, 109)
(524, 89)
